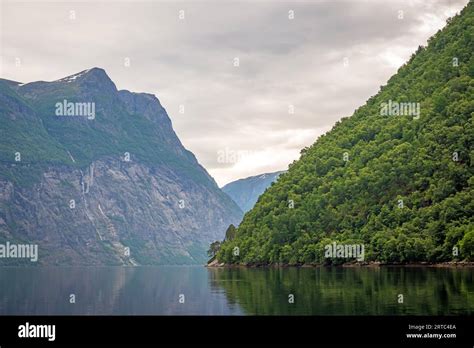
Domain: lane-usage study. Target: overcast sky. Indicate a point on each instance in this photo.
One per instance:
(298, 72)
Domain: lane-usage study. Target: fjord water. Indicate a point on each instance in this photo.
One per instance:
(263, 291)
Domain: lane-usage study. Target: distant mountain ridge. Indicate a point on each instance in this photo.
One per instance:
(116, 188)
(245, 192)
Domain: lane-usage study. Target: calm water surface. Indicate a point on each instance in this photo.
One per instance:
(157, 290)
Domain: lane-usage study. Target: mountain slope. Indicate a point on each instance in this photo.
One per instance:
(91, 185)
(400, 185)
(245, 192)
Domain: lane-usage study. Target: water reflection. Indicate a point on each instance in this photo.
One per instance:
(156, 291)
(111, 290)
(348, 291)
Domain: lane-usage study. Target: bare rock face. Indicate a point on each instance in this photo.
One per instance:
(118, 188)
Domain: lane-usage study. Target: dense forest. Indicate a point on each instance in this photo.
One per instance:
(392, 177)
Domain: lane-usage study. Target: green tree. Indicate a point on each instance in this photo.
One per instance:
(214, 249)
(231, 232)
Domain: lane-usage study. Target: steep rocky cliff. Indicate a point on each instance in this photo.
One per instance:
(107, 183)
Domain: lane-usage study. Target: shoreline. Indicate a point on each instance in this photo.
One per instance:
(372, 264)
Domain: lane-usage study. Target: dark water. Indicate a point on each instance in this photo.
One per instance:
(157, 290)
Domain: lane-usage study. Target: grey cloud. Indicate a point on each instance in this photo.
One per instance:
(189, 62)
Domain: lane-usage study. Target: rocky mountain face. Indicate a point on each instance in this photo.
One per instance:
(245, 192)
(93, 175)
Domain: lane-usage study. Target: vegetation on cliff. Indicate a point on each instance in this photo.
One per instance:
(395, 177)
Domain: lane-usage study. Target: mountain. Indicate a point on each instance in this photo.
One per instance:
(245, 192)
(396, 177)
(93, 175)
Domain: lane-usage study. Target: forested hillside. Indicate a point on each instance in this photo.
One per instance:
(398, 181)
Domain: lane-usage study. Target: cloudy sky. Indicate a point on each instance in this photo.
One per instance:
(247, 84)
